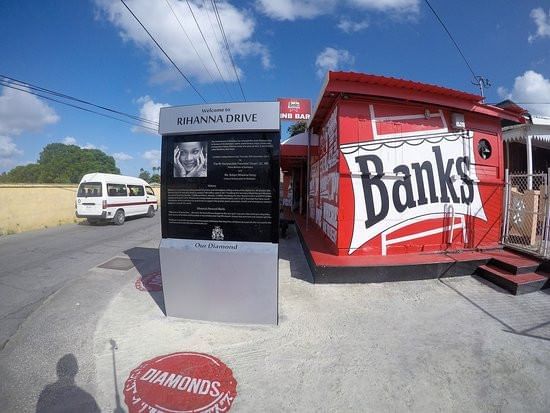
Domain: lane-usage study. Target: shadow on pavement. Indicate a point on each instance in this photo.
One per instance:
(290, 250)
(86, 223)
(522, 315)
(147, 263)
(118, 408)
(64, 395)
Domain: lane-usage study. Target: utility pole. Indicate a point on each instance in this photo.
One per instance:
(481, 82)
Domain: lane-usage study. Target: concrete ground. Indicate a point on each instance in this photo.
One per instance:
(438, 345)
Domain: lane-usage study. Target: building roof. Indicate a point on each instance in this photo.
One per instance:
(540, 120)
(536, 127)
(511, 106)
(349, 84)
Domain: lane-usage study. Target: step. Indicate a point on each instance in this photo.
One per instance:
(515, 283)
(545, 274)
(514, 263)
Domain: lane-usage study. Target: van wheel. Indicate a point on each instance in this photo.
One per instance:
(151, 212)
(119, 217)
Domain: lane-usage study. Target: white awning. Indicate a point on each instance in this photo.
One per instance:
(539, 132)
(301, 139)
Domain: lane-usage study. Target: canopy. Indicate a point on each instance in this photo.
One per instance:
(294, 150)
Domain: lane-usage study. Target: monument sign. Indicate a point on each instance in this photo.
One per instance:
(219, 211)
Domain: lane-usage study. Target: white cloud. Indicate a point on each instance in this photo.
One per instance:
(503, 92)
(333, 59)
(121, 156)
(295, 9)
(8, 148)
(69, 140)
(21, 112)
(238, 25)
(399, 6)
(8, 153)
(309, 9)
(149, 110)
(529, 89)
(349, 26)
(153, 156)
(542, 20)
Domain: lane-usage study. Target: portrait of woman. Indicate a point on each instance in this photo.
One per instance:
(190, 160)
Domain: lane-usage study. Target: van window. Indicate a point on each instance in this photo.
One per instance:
(116, 190)
(149, 190)
(136, 190)
(89, 189)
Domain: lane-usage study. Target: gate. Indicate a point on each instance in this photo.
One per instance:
(527, 213)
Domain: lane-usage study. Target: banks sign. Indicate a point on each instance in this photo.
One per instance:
(405, 181)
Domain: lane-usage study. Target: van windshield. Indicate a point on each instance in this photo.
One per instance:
(89, 189)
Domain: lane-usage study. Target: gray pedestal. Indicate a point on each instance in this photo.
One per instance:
(235, 282)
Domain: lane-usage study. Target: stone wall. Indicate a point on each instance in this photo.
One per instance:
(25, 207)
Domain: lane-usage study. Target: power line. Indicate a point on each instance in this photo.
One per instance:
(220, 23)
(480, 81)
(192, 44)
(208, 47)
(30, 92)
(207, 12)
(451, 37)
(69, 97)
(165, 54)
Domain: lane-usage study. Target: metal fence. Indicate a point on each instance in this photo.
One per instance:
(527, 213)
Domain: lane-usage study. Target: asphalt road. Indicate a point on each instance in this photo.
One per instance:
(36, 264)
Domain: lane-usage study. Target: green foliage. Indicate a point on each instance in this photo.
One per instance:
(297, 128)
(24, 174)
(145, 175)
(155, 179)
(62, 164)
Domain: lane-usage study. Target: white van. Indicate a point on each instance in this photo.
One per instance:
(109, 197)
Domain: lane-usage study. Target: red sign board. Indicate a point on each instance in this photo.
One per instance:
(295, 109)
(181, 382)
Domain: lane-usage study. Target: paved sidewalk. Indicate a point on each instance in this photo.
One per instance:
(450, 345)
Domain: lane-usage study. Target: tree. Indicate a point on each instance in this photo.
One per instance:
(297, 128)
(155, 179)
(63, 164)
(24, 174)
(145, 175)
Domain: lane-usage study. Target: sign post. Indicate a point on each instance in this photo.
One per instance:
(220, 211)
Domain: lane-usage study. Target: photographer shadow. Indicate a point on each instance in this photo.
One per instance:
(64, 395)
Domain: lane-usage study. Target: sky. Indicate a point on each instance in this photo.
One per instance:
(96, 51)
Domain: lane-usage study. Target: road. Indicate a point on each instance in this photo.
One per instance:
(36, 264)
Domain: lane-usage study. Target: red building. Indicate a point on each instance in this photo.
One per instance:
(395, 171)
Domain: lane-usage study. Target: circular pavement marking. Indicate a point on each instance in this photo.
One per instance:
(181, 382)
(150, 282)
